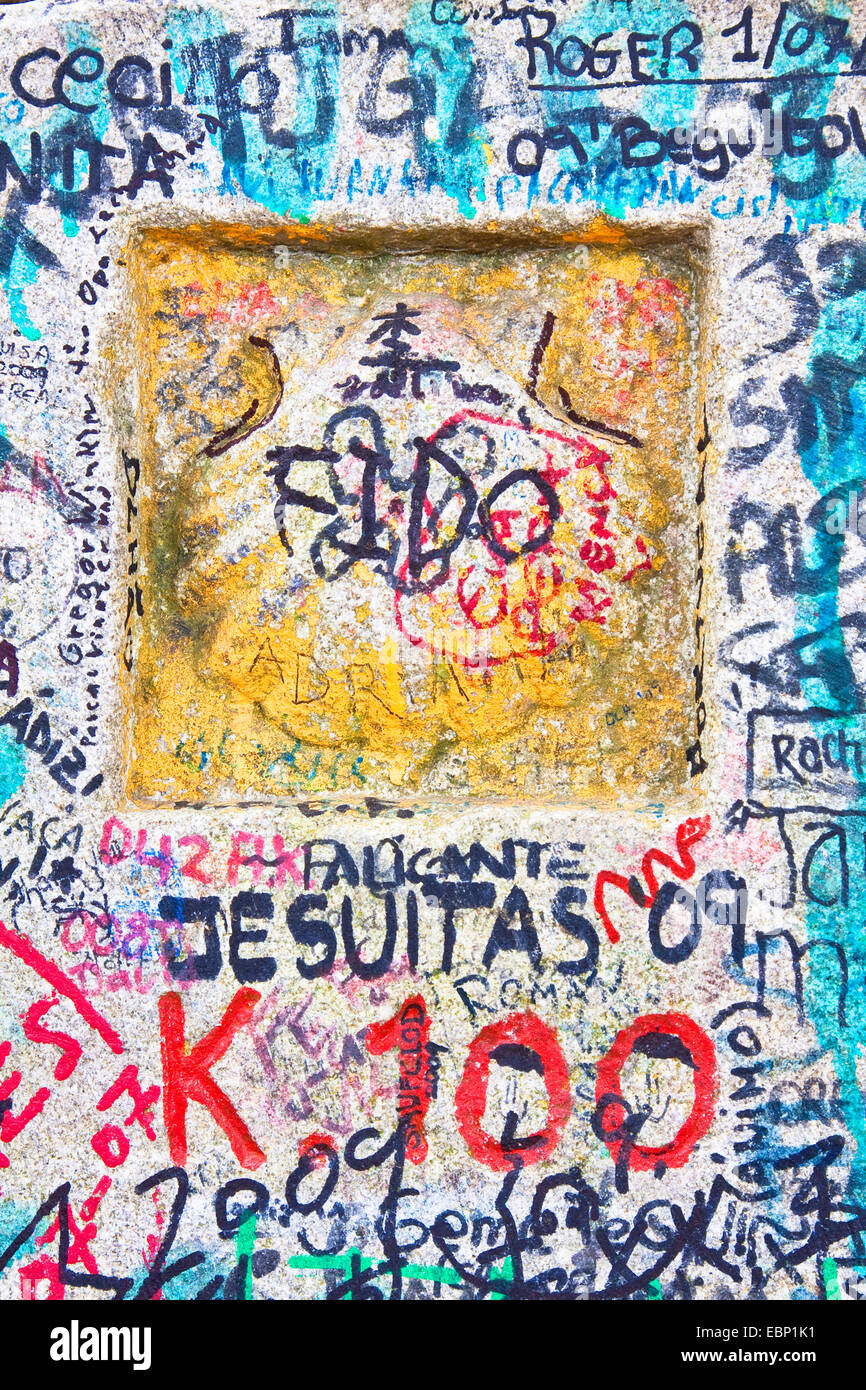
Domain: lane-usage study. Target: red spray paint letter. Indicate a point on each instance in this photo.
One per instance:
(186, 1076)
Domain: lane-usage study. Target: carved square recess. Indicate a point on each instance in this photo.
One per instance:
(412, 524)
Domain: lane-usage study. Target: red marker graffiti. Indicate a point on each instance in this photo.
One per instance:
(22, 947)
(409, 1031)
(515, 1039)
(698, 1053)
(688, 834)
(186, 1076)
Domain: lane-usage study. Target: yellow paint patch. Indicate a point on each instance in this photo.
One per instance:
(500, 609)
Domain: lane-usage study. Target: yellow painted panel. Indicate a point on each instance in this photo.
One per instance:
(412, 524)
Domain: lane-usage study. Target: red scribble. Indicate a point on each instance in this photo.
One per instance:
(250, 304)
(597, 558)
(687, 834)
(524, 596)
(12, 1125)
(89, 925)
(22, 947)
(154, 1241)
(409, 1030)
(186, 1076)
(79, 1248)
(676, 1153)
(628, 327)
(645, 564)
(142, 1101)
(284, 863)
(32, 1274)
(593, 601)
(236, 859)
(35, 1032)
(191, 869)
(470, 1101)
(314, 1144)
(114, 856)
(110, 1142)
(111, 1145)
(469, 602)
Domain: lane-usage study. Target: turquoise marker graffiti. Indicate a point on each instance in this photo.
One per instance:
(29, 256)
(352, 1262)
(13, 1220)
(23, 267)
(244, 1244)
(20, 276)
(601, 178)
(349, 1264)
(821, 996)
(267, 163)
(821, 170)
(831, 445)
(13, 768)
(452, 149)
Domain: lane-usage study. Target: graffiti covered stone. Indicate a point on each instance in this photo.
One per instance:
(431, 652)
